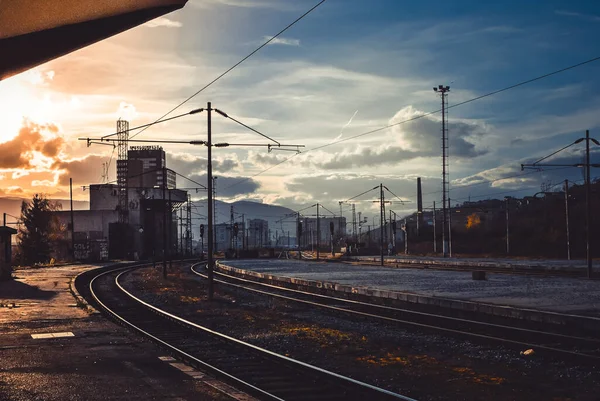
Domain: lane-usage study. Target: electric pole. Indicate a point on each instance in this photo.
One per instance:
(567, 219)
(588, 189)
(72, 219)
(164, 204)
(449, 228)
(318, 232)
(381, 216)
(209, 181)
(434, 233)
(507, 227)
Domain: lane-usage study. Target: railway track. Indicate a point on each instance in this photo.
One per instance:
(554, 344)
(262, 373)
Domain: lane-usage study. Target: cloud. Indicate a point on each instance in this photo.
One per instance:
(127, 112)
(19, 152)
(163, 22)
(589, 17)
(230, 186)
(83, 171)
(422, 134)
(272, 4)
(282, 41)
(188, 164)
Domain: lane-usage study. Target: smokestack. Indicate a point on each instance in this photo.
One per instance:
(419, 206)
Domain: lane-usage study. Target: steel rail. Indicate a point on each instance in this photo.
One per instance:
(421, 325)
(207, 366)
(259, 349)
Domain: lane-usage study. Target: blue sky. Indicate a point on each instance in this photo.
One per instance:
(347, 68)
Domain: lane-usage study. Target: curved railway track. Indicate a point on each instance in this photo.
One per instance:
(554, 344)
(262, 373)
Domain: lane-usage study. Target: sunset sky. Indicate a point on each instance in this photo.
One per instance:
(347, 68)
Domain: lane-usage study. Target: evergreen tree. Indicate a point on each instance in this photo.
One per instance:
(34, 234)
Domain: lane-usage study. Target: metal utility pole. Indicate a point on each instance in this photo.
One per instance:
(341, 216)
(181, 230)
(209, 181)
(190, 231)
(354, 221)
(381, 217)
(318, 231)
(231, 225)
(405, 238)
(243, 232)
(588, 189)
(449, 228)
(434, 233)
(588, 203)
(567, 219)
(170, 240)
(443, 91)
(298, 235)
(507, 227)
(72, 219)
(164, 203)
(214, 209)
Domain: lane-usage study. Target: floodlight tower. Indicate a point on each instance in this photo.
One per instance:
(443, 92)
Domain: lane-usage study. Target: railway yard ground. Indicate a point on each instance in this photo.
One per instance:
(421, 364)
(565, 295)
(100, 361)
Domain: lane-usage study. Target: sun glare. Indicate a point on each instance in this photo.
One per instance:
(23, 97)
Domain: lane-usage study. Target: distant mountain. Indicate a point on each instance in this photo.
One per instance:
(12, 206)
(251, 210)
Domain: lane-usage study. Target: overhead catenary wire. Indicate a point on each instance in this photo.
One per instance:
(236, 64)
(361, 194)
(400, 199)
(430, 113)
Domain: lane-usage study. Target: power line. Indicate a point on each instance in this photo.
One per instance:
(431, 113)
(235, 65)
(400, 199)
(497, 179)
(359, 195)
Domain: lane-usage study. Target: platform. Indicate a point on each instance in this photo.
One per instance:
(53, 349)
(551, 299)
(550, 265)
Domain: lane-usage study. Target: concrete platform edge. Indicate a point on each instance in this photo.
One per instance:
(479, 265)
(81, 302)
(534, 315)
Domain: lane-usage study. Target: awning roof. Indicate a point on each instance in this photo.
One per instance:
(33, 32)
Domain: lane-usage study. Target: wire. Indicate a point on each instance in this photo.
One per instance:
(189, 179)
(327, 210)
(366, 192)
(261, 172)
(400, 199)
(252, 129)
(552, 154)
(235, 65)
(434, 112)
(494, 180)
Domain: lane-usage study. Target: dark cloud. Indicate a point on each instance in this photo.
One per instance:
(366, 157)
(16, 153)
(228, 186)
(84, 171)
(424, 134)
(186, 164)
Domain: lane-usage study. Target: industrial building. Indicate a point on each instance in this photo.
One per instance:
(148, 221)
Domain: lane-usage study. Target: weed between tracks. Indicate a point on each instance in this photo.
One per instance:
(424, 366)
